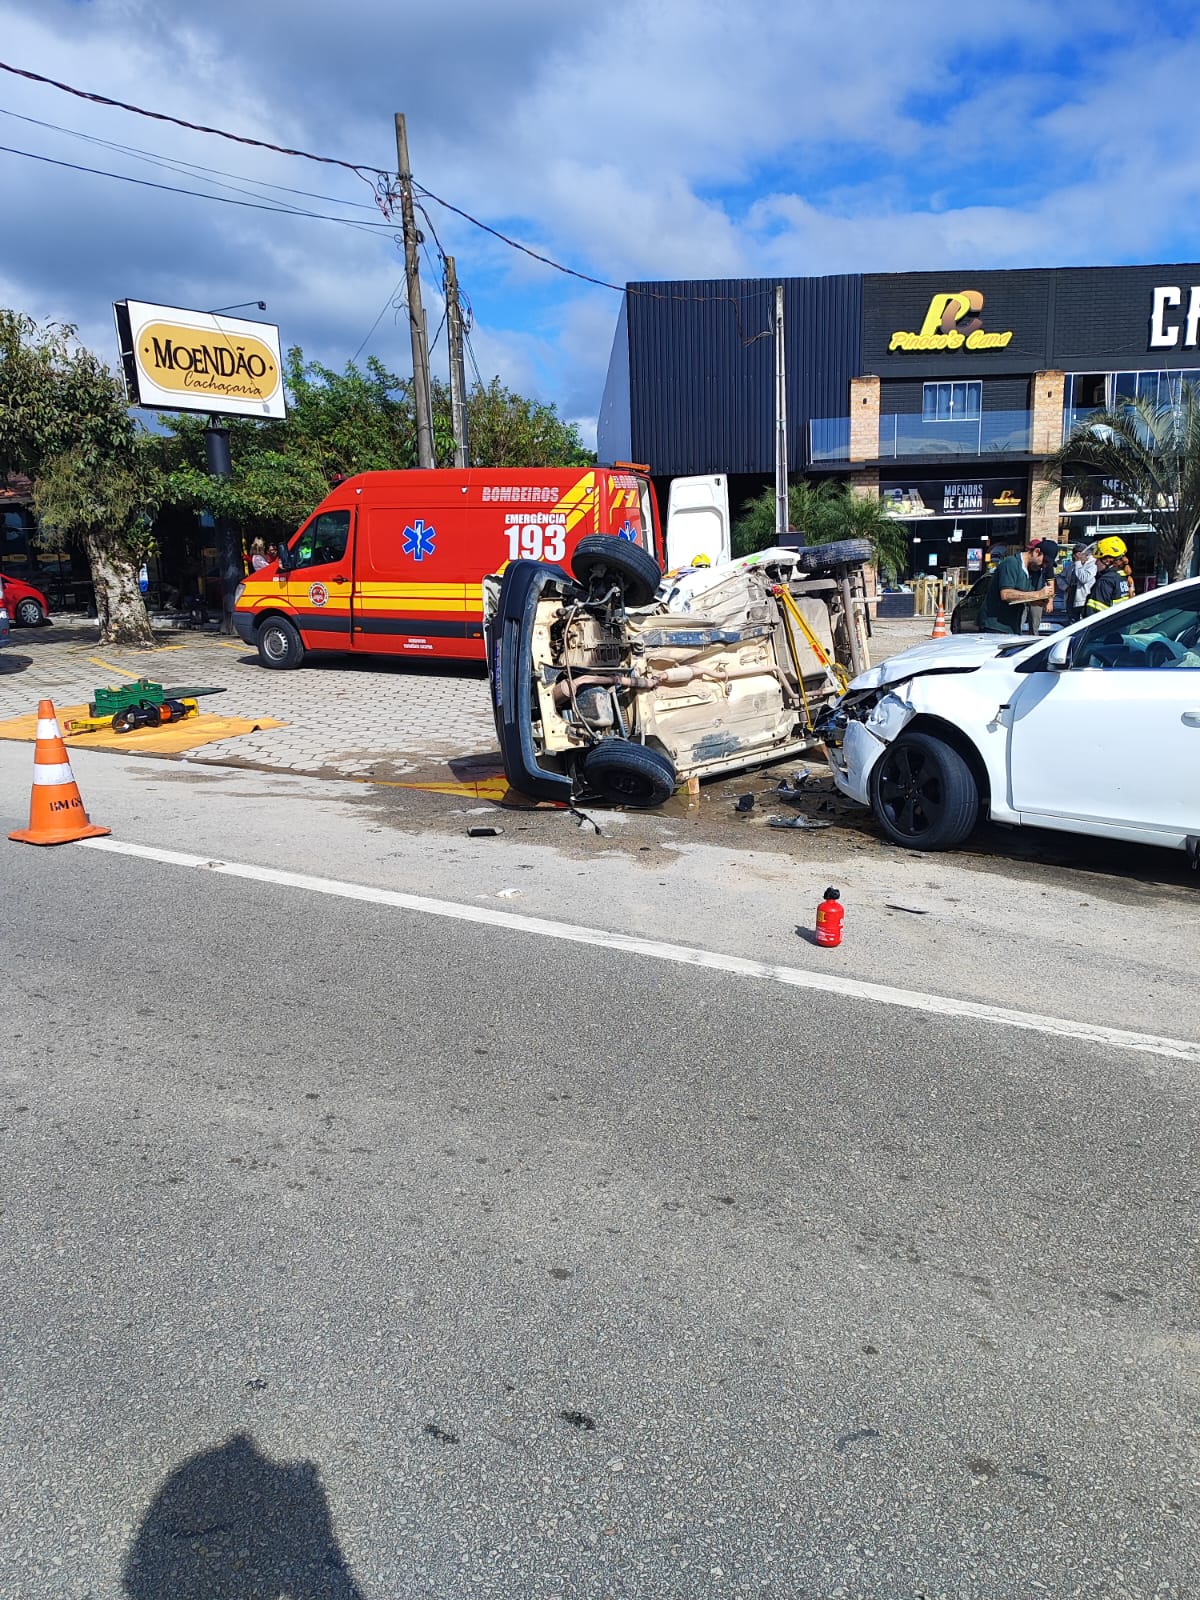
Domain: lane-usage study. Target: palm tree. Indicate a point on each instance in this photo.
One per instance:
(825, 512)
(1152, 454)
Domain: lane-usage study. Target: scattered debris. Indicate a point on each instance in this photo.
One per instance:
(913, 911)
(579, 1419)
(798, 821)
(744, 802)
(483, 833)
(581, 817)
(440, 1434)
(509, 894)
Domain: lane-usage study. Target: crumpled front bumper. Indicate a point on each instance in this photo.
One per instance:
(854, 742)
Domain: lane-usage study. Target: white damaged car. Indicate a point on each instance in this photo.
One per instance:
(1094, 731)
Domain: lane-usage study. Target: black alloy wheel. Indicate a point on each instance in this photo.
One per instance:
(924, 794)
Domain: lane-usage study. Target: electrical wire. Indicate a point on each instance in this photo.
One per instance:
(392, 300)
(185, 168)
(198, 194)
(359, 171)
(382, 188)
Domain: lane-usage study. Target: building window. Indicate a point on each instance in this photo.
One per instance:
(951, 402)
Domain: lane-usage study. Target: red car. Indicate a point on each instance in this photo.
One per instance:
(26, 605)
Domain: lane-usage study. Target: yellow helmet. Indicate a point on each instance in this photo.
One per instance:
(1112, 549)
(701, 561)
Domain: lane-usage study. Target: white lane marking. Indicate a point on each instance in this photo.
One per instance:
(684, 955)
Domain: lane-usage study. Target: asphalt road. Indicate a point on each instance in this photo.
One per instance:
(353, 1252)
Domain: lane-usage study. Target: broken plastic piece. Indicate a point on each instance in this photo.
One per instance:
(744, 802)
(483, 833)
(798, 821)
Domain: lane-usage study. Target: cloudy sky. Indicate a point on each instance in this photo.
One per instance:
(640, 139)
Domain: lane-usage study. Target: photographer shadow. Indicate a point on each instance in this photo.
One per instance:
(232, 1524)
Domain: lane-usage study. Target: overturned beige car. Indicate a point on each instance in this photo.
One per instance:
(612, 683)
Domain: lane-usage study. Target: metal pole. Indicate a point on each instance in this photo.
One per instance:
(229, 547)
(422, 405)
(458, 376)
(781, 450)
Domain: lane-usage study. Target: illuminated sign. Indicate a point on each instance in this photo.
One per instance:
(176, 360)
(953, 322)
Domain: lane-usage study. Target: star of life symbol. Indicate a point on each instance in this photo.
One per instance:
(418, 540)
(627, 531)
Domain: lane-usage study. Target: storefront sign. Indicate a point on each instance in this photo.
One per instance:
(1103, 495)
(972, 497)
(176, 360)
(953, 322)
(1165, 329)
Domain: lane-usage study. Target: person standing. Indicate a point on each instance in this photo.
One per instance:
(258, 556)
(1080, 578)
(1011, 590)
(1036, 609)
(1110, 587)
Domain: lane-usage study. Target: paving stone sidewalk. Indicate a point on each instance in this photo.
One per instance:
(344, 716)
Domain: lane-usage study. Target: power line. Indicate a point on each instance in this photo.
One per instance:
(390, 301)
(194, 127)
(198, 194)
(381, 186)
(177, 164)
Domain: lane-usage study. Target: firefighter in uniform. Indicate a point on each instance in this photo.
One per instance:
(1110, 586)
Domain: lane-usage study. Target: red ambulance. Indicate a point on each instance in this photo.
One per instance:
(391, 563)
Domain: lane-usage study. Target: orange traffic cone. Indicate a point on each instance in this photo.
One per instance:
(939, 624)
(56, 814)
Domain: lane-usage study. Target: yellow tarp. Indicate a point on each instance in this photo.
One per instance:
(170, 740)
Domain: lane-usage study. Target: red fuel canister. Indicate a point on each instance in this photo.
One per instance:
(829, 919)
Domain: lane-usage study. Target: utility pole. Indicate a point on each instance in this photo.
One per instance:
(781, 441)
(422, 404)
(458, 377)
(229, 546)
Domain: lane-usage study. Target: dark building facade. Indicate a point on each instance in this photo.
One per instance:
(942, 391)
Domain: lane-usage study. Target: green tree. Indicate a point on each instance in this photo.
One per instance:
(1153, 455)
(65, 423)
(825, 512)
(340, 423)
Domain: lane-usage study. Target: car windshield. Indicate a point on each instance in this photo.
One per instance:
(1158, 636)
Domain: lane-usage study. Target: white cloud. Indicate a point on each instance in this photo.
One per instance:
(644, 139)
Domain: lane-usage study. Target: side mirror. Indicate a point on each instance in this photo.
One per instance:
(285, 558)
(1059, 658)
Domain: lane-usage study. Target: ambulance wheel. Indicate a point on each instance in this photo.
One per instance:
(628, 774)
(603, 555)
(279, 644)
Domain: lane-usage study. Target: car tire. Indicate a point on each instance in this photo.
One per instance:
(924, 794)
(628, 774)
(841, 553)
(28, 614)
(603, 555)
(279, 644)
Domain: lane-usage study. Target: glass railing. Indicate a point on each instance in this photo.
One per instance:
(829, 439)
(992, 433)
(1074, 415)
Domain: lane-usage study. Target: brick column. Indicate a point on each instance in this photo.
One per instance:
(1045, 436)
(864, 418)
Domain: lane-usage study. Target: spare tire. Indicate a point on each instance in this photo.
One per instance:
(841, 553)
(628, 774)
(603, 555)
